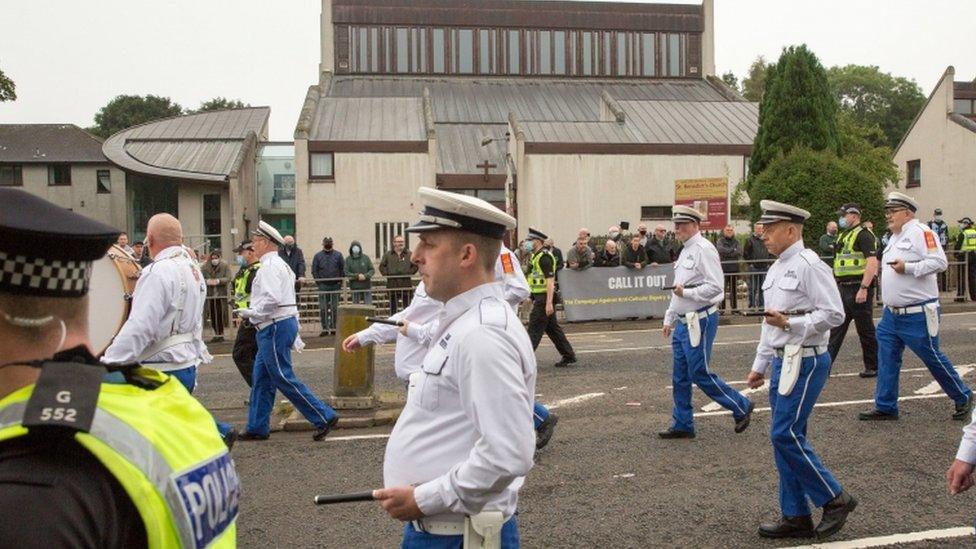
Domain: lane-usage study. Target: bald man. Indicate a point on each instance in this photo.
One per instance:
(164, 330)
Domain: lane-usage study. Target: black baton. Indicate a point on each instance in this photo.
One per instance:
(344, 498)
(375, 320)
(688, 287)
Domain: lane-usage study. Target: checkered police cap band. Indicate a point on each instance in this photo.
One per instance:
(24, 275)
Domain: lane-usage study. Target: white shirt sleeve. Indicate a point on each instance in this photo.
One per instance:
(764, 352)
(423, 333)
(516, 286)
(495, 397)
(967, 448)
(711, 268)
(933, 259)
(263, 301)
(669, 317)
(828, 309)
(384, 333)
(150, 301)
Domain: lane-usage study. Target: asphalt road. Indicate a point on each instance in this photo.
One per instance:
(606, 480)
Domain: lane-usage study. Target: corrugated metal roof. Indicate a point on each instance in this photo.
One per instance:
(369, 119)
(40, 143)
(578, 132)
(459, 149)
(200, 147)
(693, 122)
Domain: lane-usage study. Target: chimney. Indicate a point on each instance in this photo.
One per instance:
(708, 38)
(327, 34)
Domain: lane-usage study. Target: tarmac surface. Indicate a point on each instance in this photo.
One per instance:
(606, 480)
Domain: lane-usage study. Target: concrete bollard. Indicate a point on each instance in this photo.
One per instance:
(352, 383)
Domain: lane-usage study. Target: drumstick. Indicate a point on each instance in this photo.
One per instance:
(344, 498)
(688, 287)
(375, 320)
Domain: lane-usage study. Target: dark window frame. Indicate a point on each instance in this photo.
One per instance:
(52, 174)
(910, 180)
(321, 178)
(98, 182)
(655, 213)
(18, 175)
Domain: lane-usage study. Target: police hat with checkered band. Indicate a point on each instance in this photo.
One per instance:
(774, 212)
(446, 210)
(46, 250)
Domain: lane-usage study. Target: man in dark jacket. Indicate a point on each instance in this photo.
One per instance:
(730, 252)
(634, 256)
(328, 270)
(658, 249)
(608, 256)
(359, 271)
(397, 268)
(295, 259)
(550, 246)
(759, 259)
(217, 274)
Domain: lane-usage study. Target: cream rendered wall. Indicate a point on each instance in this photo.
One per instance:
(369, 188)
(558, 194)
(948, 158)
(82, 195)
(190, 204)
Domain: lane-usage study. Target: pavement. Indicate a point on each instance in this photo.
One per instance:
(606, 480)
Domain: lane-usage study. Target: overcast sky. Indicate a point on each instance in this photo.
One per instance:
(69, 57)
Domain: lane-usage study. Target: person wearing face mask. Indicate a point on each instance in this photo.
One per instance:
(614, 233)
(542, 285)
(295, 258)
(217, 273)
(359, 272)
(328, 270)
(941, 230)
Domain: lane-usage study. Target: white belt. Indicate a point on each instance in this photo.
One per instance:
(264, 325)
(439, 527)
(914, 309)
(807, 351)
(706, 312)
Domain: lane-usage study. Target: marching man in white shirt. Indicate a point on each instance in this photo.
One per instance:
(802, 305)
(910, 292)
(691, 323)
(274, 311)
(164, 330)
(464, 442)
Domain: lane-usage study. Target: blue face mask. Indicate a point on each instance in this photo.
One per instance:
(241, 261)
(842, 223)
(528, 247)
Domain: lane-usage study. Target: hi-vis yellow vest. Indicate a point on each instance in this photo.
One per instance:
(849, 262)
(242, 298)
(536, 279)
(163, 447)
(968, 240)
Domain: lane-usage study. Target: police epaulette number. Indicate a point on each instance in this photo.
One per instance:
(65, 396)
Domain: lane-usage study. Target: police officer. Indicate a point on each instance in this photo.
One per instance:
(246, 343)
(164, 330)
(274, 311)
(75, 440)
(910, 294)
(941, 230)
(420, 316)
(542, 285)
(695, 310)
(966, 246)
(802, 305)
(464, 442)
(855, 266)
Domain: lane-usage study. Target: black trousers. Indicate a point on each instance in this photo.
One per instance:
(731, 290)
(861, 314)
(246, 350)
(217, 308)
(399, 299)
(966, 275)
(540, 323)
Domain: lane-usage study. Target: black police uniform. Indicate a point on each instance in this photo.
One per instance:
(541, 323)
(246, 343)
(860, 313)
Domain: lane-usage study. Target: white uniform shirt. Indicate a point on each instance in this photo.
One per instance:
(154, 310)
(798, 281)
(698, 263)
(967, 448)
(409, 354)
(924, 257)
(466, 433)
(272, 292)
(509, 271)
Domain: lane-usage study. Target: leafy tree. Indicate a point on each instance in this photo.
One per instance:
(755, 82)
(220, 104)
(8, 91)
(126, 111)
(797, 109)
(875, 98)
(731, 80)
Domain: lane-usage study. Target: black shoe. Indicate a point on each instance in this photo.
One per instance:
(674, 433)
(963, 410)
(742, 423)
(565, 362)
(835, 514)
(868, 373)
(788, 527)
(544, 433)
(321, 433)
(216, 339)
(252, 436)
(230, 438)
(877, 415)
(323, 333)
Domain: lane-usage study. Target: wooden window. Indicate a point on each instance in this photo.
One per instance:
(514, 52)
(588, 57)
(11, 175)
(559, 53)
(402, 50)
(914, 173)
(321, 166)
(655, 212)
(103, 182)
(59, 175)
(544, 54)
(648, 65)
(438, 51)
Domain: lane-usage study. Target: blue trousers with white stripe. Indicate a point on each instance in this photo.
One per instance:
(539, 413)
(894, 333)
(801, 474)
(272, 370)
(690, 365)
(412, 539)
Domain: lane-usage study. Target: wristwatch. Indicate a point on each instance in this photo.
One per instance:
(863, 287)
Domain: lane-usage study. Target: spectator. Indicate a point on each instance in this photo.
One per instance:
(123, 242)
(549, 246)
(657, 247)
(328, 270)
(295, 259)
(397, 268)
(730, 252)
(634, 256)
(965, 246)
(139, 254)
(217, 274)
(585, 234)
(941, 230)
(828, 244)
(359, 271)
(580, 256)
(614, 233)
(609, 256)
(642, 231)
(759, 259)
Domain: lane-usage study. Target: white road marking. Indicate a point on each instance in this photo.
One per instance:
(851, 374)
(880, 541)
(934, 387)
(573, 400)
(662, 347)
(358, 437)
(714, 406)
(825, 404)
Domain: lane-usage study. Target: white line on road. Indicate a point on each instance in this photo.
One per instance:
(358, 437)
(715, 406)
(893, 539)
(825, 404)
(934, 387)
(574, 400)
(661, 347)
